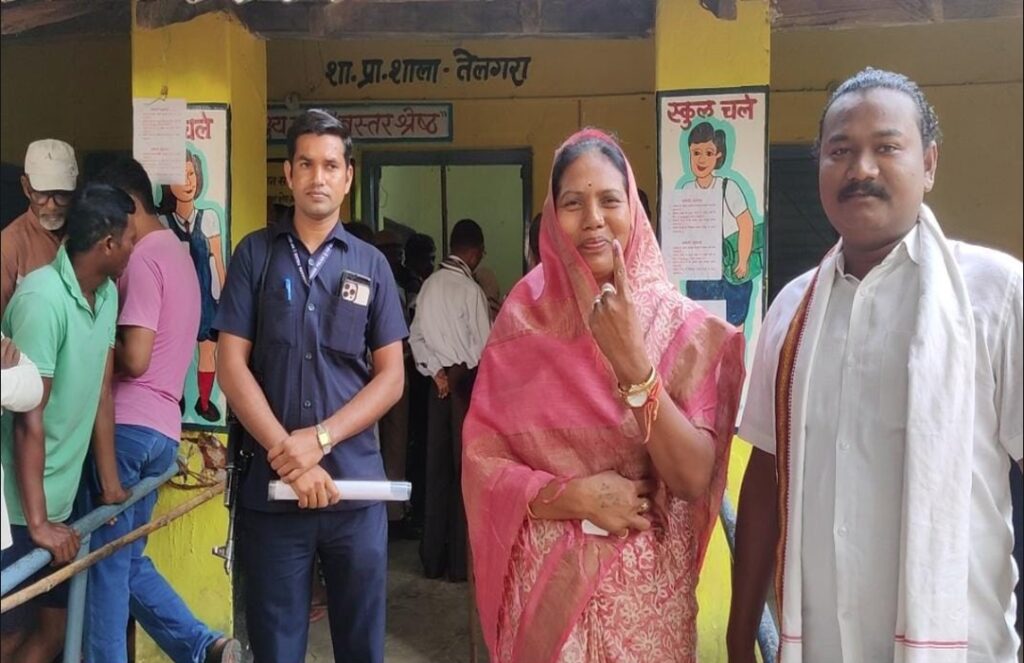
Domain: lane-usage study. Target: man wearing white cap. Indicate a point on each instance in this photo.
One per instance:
(31, 241)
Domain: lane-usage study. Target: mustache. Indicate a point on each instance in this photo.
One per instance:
(867, 188)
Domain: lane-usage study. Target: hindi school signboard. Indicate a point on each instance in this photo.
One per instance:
(378, 123)
(468, 68)
(712, 156)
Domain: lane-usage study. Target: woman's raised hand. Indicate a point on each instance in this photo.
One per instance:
(616, 328)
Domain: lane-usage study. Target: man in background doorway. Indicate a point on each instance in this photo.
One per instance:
(420, 256)
(448, 336)
(394, 426)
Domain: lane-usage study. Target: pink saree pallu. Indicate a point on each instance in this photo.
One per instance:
(544, 408)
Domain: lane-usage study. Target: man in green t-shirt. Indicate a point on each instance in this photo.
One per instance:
(64, 316)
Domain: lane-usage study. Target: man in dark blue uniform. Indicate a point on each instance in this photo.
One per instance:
(310, 357)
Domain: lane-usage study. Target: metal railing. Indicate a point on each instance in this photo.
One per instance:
(18, 572)
(767, 633)
(28, 565)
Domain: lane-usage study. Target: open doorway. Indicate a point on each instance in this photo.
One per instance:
(799, 233)
(428, 192)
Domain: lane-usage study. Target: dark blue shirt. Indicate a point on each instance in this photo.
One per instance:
(311, 356)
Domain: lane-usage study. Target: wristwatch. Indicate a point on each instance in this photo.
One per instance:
(324, 438)
(637, 395)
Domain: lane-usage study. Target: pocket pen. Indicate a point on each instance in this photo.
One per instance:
(288, 289)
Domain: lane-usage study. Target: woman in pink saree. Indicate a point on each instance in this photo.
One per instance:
(554, 437)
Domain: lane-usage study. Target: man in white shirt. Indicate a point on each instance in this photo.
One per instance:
(882, 476)
(22, 391)
(447, 338)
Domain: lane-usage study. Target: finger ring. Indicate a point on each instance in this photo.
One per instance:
(608, 289)
(645, 506)
(598, 300)
(623, 535)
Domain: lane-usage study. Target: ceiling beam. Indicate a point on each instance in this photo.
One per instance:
(840, 13)
(153, 14)
(22, 17)
(469, 18)
(981, 9)
(450, 18)
(865, 13)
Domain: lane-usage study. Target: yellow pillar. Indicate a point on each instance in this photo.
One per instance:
(209, 60)
(694, 50)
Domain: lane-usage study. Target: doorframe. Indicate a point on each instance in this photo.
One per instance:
(373, 161)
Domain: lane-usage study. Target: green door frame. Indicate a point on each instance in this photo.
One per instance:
(373, 161)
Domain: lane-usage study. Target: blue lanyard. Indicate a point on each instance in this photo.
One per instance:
(315, 269)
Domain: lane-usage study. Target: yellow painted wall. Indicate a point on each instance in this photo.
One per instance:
(210, 59)
(695, 50)
(970, 72)
(571, 84)
(214, 59)
(77, 90)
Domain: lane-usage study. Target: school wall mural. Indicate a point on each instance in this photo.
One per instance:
(713, 184)
(197, 211)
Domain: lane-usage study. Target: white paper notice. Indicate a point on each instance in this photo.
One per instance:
(158, 138)
(692, 238)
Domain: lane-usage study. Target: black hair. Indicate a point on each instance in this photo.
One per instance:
(97, 211)
(128, 175)
(319, 123)
(705, 133)
(419, 245)
(872, 79)
(644, 202)
(534, 237)
(360, 230)
(466, 234)
(568, 155)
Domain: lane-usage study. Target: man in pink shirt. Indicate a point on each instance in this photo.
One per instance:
(156, 340)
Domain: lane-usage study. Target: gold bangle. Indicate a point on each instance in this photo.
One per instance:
(646, 385)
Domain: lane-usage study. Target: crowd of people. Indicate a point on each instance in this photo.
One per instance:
(569, 444)
(101, 304)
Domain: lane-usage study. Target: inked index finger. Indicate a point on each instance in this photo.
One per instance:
(621, 277)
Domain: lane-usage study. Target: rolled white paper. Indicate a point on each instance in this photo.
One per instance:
(591, 528)
(375, 491)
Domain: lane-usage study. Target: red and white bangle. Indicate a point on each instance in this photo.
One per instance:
(562, 484)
